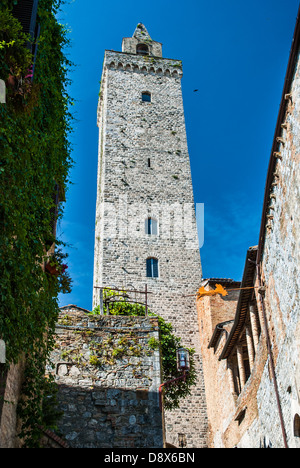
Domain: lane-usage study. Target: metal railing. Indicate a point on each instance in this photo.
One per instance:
(104, 302)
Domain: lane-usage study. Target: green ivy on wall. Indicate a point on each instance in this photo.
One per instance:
(168, 344)
(35, 156)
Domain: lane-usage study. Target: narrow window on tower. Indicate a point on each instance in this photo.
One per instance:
(152, 268)
(146, 97)
(151, 226)
(149, 162)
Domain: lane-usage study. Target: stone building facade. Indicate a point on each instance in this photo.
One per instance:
(10, 392)
(251, 349)
(145, 217)
(108, 377)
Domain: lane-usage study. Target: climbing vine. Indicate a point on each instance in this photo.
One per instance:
(168, 345)
(34, 159)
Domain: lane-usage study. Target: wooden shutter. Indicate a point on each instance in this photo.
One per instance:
(148, 226)
(26, 11)
(154, 227)
(151, 226)
(155, 267)
(149, 269)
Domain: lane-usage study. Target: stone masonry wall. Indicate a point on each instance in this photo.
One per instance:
(280, 269)
(108, 377)
(144, 170)
(11, 395)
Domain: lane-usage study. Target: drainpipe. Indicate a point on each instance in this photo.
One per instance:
(270, 354)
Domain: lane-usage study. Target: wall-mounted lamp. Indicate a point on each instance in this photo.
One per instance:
(183, 359)
(183, 365)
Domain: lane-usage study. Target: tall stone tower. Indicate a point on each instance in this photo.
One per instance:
(145, 218)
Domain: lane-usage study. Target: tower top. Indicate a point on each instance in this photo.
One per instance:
(141, 33)
(141, 43)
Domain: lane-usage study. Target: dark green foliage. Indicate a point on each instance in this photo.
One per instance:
(169, 344)
(15, 59)
(34, 157)
(8, 3)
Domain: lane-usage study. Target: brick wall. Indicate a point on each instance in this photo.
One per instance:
(213, 310)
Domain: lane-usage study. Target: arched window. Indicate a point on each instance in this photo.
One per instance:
(297, 426)
(266, 443)
(152, 267)
(142, 49)
(146, 96)
(151, 226)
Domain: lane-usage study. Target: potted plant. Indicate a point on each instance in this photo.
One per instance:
(52, 268)
(55, 267)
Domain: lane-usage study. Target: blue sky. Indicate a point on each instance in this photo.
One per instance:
(235, 53)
